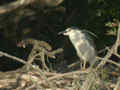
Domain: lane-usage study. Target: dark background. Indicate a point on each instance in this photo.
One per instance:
(40, 23)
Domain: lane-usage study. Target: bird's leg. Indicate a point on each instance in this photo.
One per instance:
(81, 65)
(84, 64)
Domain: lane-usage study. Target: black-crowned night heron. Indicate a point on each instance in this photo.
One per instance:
(83, 43)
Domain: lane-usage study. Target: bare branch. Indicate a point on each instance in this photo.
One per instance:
(14, 5)
(20, 3)
(111, 51)
(22, 61)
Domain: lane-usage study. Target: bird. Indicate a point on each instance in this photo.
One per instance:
(83, 44)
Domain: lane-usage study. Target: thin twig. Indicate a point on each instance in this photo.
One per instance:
(109, 61)
(111, 51)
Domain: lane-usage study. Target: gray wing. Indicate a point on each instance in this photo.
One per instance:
(86, 51)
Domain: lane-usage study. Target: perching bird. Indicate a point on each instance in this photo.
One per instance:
(83, 44)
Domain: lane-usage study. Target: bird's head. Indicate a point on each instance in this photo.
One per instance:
(69, 31)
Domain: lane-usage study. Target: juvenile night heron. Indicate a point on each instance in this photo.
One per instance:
(83, 44)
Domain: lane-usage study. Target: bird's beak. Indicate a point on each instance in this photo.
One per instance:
(62, 32)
